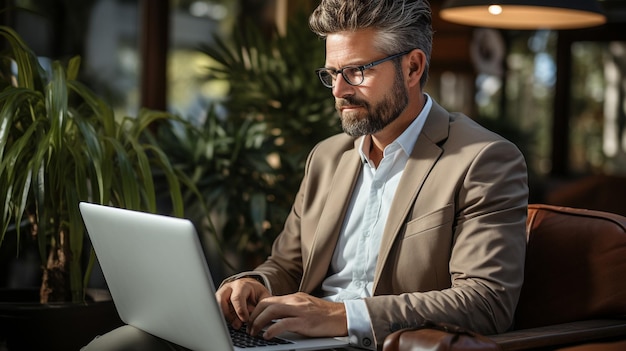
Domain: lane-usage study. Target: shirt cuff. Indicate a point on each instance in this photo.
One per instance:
(360, 332)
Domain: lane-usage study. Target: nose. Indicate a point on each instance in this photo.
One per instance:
(341, 88)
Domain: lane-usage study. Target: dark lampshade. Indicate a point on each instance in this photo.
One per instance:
(524, 14)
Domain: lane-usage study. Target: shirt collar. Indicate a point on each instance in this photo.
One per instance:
(407, 139)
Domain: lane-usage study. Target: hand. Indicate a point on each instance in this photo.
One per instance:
(299, 313)
(238, 298)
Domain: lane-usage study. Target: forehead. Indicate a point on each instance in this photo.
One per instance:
(350, 47)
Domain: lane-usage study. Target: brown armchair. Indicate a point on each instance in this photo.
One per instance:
(574, 292)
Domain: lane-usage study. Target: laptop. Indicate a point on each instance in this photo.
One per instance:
(160, 282)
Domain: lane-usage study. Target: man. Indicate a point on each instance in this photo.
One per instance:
(413, 214)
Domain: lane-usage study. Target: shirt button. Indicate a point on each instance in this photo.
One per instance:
(367, 342)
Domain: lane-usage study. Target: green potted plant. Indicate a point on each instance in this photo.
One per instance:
(61, 144)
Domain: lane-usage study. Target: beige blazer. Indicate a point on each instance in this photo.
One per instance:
(454, 243)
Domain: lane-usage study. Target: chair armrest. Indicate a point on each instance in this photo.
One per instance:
(561, 334)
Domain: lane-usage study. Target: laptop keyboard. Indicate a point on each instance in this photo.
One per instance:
(242, 339)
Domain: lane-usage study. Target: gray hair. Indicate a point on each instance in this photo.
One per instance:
(401, 25)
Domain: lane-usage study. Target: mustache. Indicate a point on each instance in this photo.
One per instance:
(350, 101)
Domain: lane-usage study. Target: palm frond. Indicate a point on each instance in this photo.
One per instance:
(60, 144)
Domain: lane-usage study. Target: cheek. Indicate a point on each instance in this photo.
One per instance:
(378, 87)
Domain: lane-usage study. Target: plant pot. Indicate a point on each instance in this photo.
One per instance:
(28, 325)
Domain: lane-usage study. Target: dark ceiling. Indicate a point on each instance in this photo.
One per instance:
(615, 10)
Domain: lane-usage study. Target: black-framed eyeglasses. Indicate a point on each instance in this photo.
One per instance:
(353, 75)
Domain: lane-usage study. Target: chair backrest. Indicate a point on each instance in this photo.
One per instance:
(575, 266)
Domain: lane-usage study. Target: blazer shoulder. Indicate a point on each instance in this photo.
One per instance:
(462, 124)
(444, 127)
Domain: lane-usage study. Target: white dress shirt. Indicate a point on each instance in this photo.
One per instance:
(354, 259)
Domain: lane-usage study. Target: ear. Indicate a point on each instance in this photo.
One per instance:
(416, 64)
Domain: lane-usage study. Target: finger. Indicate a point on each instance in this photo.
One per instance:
(233, 319)
(280, 326)
(266, 313)
(223, 298)
(236, 323)
(263, 304)
(264, 294)
(239, 301)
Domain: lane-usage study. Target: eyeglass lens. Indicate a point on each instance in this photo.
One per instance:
(352, 75)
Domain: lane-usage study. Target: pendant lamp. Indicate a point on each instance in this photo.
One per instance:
(524, 14)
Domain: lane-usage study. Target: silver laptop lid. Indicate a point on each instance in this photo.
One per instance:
(157, 275)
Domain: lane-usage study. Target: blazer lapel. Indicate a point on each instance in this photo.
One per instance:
(331, 219)
(423, 158)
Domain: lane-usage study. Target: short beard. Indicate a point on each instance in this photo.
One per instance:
(375, 119)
